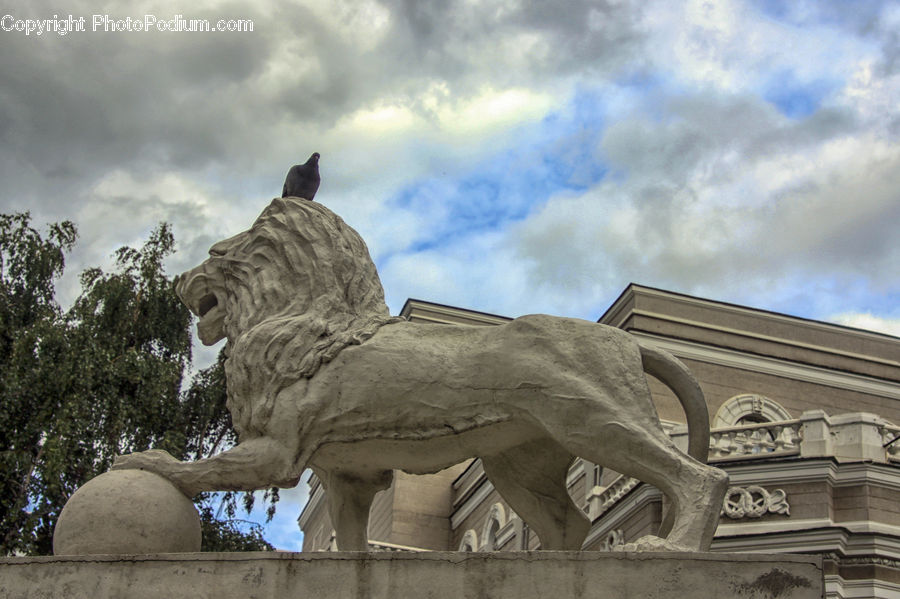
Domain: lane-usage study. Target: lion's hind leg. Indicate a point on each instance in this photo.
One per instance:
(532, 478)
(646, 453)
(349, 496)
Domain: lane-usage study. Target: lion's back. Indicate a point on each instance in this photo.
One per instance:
(565, 340)
(533, 347)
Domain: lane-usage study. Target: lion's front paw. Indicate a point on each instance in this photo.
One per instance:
(154, 460)
(651, 543)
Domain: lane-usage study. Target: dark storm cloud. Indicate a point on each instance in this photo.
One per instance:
(80, 106)
(75, 107)
(512, 42)
(85, 104)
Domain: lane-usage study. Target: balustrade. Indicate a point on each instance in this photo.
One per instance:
(764, 440)
(853, 436)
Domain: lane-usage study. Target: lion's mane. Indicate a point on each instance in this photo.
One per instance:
(303, 288)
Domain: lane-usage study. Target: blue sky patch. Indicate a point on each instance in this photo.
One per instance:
(846, 14)
(794, 98)
(556, 155)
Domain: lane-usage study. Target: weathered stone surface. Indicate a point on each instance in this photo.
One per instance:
(319, 375)
(127, 511)
(536, 575)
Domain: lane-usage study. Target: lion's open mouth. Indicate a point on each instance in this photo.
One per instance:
(210, 326)
(195, 288)
(206, 303)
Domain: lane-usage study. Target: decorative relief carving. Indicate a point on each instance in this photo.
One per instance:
(613, 541)
(890, 437)
(754, 502)
(870, 560)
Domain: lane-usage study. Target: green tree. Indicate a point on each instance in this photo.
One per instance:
(104, 378)
(32, 333)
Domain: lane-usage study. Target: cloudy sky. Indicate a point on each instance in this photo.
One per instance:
(508, 156)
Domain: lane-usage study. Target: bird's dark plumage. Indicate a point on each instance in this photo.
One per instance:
(302, 180)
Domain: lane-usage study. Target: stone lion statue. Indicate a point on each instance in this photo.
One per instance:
(320, 375)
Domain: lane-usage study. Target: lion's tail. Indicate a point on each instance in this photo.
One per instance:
(675, 375)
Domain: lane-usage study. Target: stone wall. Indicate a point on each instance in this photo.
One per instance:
(562, 575)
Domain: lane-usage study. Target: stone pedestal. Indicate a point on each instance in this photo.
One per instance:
(526, 575)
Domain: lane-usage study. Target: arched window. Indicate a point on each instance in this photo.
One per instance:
(469, 541)
(495, 521)
(751, 419)
(749, 408)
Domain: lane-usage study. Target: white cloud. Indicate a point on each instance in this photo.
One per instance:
(723, 196)
(443, 121)
(870, 322)
(493, 110)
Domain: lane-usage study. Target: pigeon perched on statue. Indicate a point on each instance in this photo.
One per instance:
(302, 180)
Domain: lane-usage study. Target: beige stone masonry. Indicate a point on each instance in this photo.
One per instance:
(520, 575)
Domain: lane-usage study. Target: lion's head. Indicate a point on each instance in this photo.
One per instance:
(288, 294)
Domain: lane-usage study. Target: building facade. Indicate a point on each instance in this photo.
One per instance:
(803, 419)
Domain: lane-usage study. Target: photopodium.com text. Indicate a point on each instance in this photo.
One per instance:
(108, 24)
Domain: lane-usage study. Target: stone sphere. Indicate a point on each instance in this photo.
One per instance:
(127, 511)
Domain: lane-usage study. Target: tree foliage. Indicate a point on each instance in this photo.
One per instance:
(32, 336)
(103, 378)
